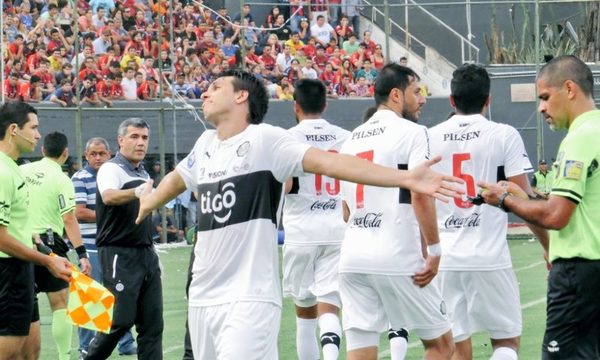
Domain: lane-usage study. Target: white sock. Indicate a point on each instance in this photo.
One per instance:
(330, 333)
(307, 346)
(398, 344)
(504, 353)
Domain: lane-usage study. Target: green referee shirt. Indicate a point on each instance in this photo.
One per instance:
(14, 202)
(52, 195)
(576, 177)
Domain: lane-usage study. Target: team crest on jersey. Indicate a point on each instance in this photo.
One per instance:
(191, 159)
(443, 308)
(243, 149)
(573, 169)
(4, 210)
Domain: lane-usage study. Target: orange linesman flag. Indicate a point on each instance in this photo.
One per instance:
(90, 304)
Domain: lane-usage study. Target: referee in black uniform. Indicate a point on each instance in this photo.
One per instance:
(130, 265)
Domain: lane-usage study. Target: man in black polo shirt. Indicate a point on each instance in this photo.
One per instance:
(130, 266)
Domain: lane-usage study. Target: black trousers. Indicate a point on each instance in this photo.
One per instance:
(573, 312)
(133, 276)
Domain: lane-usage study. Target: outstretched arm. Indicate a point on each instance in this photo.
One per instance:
(421, 179)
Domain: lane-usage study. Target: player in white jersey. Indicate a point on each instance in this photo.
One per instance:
(476, 276)
(238, 171)
(383, 274)
(314, 229)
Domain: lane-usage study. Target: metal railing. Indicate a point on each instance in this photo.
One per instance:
(469, 52)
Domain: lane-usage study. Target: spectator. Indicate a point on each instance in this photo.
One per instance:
(16, 48)
(377, 58)
(361, 87)
(298, 13)
(367, 40)
(129, 85)
(107, 5)
(304, 30)
(267, 59)
(182, 88)
(148, 89)
(64, 95)
(343, 88)
(57, 40)
(87, 91)
(328, 76)
(352, 10)
(33, 61)
(320, 59)
(11, 87)
(350, 46)
(359, 56)
(403, 61)
(173, 234)
(281, 29)
(131, 56)
(318, 8)
(66, 73)
(344, 30)
(56, 61)
(321, 31)
(367, 72)
(270, 22)
(103, 42)
(295, 72)
(86, 23)
(46, 78)
(99, 18)
(308, 71)
(79, 60)
(245, 13)
(30, 91)
(295, 43)
(284, 59)
(228, 47)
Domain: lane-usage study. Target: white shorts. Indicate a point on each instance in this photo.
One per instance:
(374, 303)
(482, 300)
(310, 274)
(238, 330)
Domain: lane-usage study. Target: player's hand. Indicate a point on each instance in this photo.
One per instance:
(424, 277)
(424, 180)
(145, 210)
(85, 266)
(60, 267)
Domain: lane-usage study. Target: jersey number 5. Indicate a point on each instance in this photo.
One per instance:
(457, 160)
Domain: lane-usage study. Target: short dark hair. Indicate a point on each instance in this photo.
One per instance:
(54, 144)
(34, 78)
(135, 122)
(392, 76)
(14, 112)
(258, 98)
(470, 88)
(568, 67)
(310, 95)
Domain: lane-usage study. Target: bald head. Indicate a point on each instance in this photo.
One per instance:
(568, 67)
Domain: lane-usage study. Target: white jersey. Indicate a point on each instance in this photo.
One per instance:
(476, 149)
(382, 236)
(312, 213)
(239, 184)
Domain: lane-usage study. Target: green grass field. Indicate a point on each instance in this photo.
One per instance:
(527, 260)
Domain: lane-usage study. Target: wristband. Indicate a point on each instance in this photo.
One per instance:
(139, 190)
(81, 252)
(434, 250)
(501, 202)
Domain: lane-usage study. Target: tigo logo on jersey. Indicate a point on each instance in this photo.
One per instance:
(217, 203)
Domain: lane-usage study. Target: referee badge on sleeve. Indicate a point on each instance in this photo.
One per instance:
(573, 169)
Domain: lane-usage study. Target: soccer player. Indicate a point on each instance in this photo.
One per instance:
(52, 214)
(97, 152)
(130, 266)
(384, 278)
(20, 316)
(314, 228)
(476, 277)
(565, 89)
(238, 171)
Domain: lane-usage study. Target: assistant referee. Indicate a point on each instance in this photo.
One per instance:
(18, 135)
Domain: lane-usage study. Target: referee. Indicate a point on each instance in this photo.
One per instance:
(130, 265)
(52, 212)
(19, 134)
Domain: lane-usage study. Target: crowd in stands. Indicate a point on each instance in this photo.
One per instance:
(119, 52)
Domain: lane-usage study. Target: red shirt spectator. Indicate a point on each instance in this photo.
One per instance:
(11, 87)
(147, 89)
